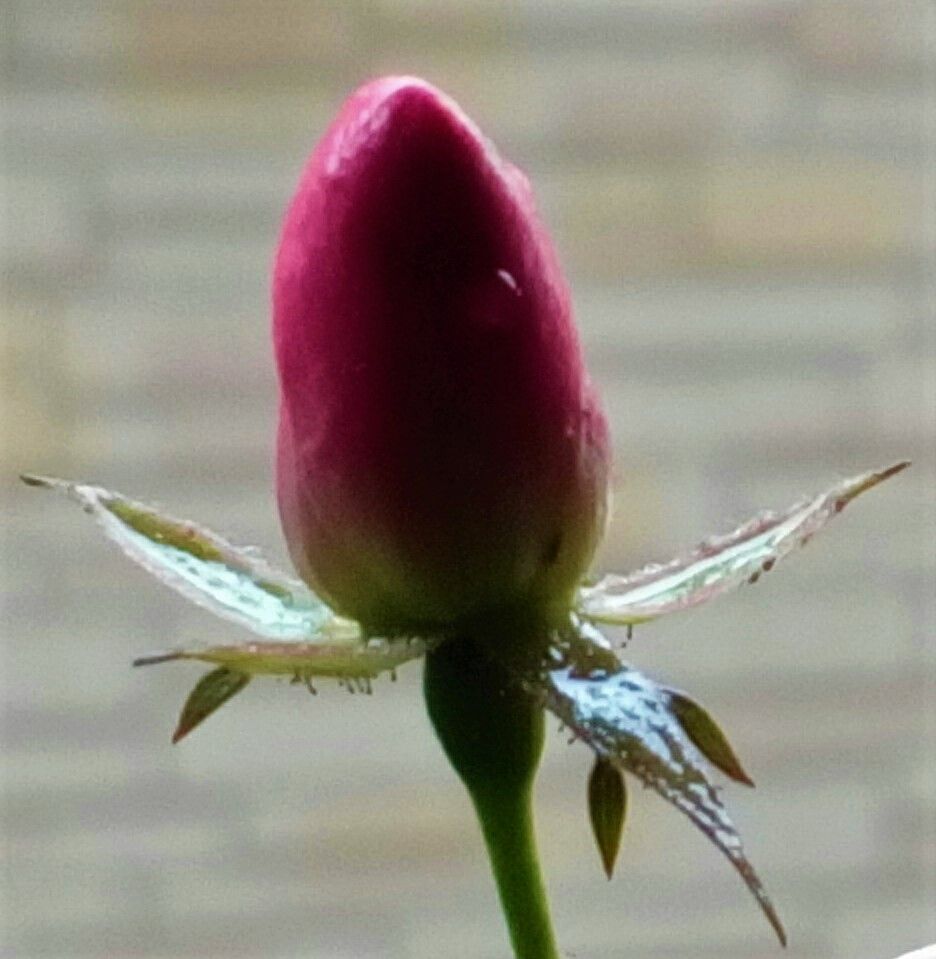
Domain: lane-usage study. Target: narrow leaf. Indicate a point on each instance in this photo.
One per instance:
(211, 692)
(334, 653)
(628, 719)
(607, 809)
(232, 582)
(722, 563)
(699, 726)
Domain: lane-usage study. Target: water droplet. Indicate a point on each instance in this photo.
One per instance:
(509, 281)
(379, 645)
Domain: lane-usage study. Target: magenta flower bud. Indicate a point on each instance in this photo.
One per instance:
(441, 453)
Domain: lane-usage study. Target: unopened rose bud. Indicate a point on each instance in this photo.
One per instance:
(441, 453)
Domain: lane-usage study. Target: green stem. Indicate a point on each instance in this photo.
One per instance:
(507, 824)
(492, 733)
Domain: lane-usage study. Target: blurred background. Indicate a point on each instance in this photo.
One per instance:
(743, 194)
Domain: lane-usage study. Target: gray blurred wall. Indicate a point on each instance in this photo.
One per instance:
(743, 194)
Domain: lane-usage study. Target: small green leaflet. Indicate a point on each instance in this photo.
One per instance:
(211, 692)
(607, 809)
(630, 721)
(354, 665)
(722, 563)
(705, 733)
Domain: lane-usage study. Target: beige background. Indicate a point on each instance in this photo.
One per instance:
(743, 196)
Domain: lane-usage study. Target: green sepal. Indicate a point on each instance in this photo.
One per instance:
(233, 582)
(607, 809)
(295, 632)
(722, 563)
(706, 734)
(211, 692)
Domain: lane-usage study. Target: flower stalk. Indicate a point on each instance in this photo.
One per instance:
(492, 733)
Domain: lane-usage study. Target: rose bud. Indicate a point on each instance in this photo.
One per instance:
(441, 455)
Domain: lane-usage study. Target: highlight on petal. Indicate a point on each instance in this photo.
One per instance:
(234, 583)
(607, 809)
(211, 692)
(722, 563)
(629, 720)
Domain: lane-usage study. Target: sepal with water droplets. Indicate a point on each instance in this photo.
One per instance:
(232, 582)
(722, 563)
(629, 719)
(297, 634)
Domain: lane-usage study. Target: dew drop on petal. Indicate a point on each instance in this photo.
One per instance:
(510, 282)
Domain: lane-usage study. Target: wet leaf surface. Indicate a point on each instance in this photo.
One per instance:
(233, 582)
(722, 563)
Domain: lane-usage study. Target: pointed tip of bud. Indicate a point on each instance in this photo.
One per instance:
(395, 114)
(401, 90)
